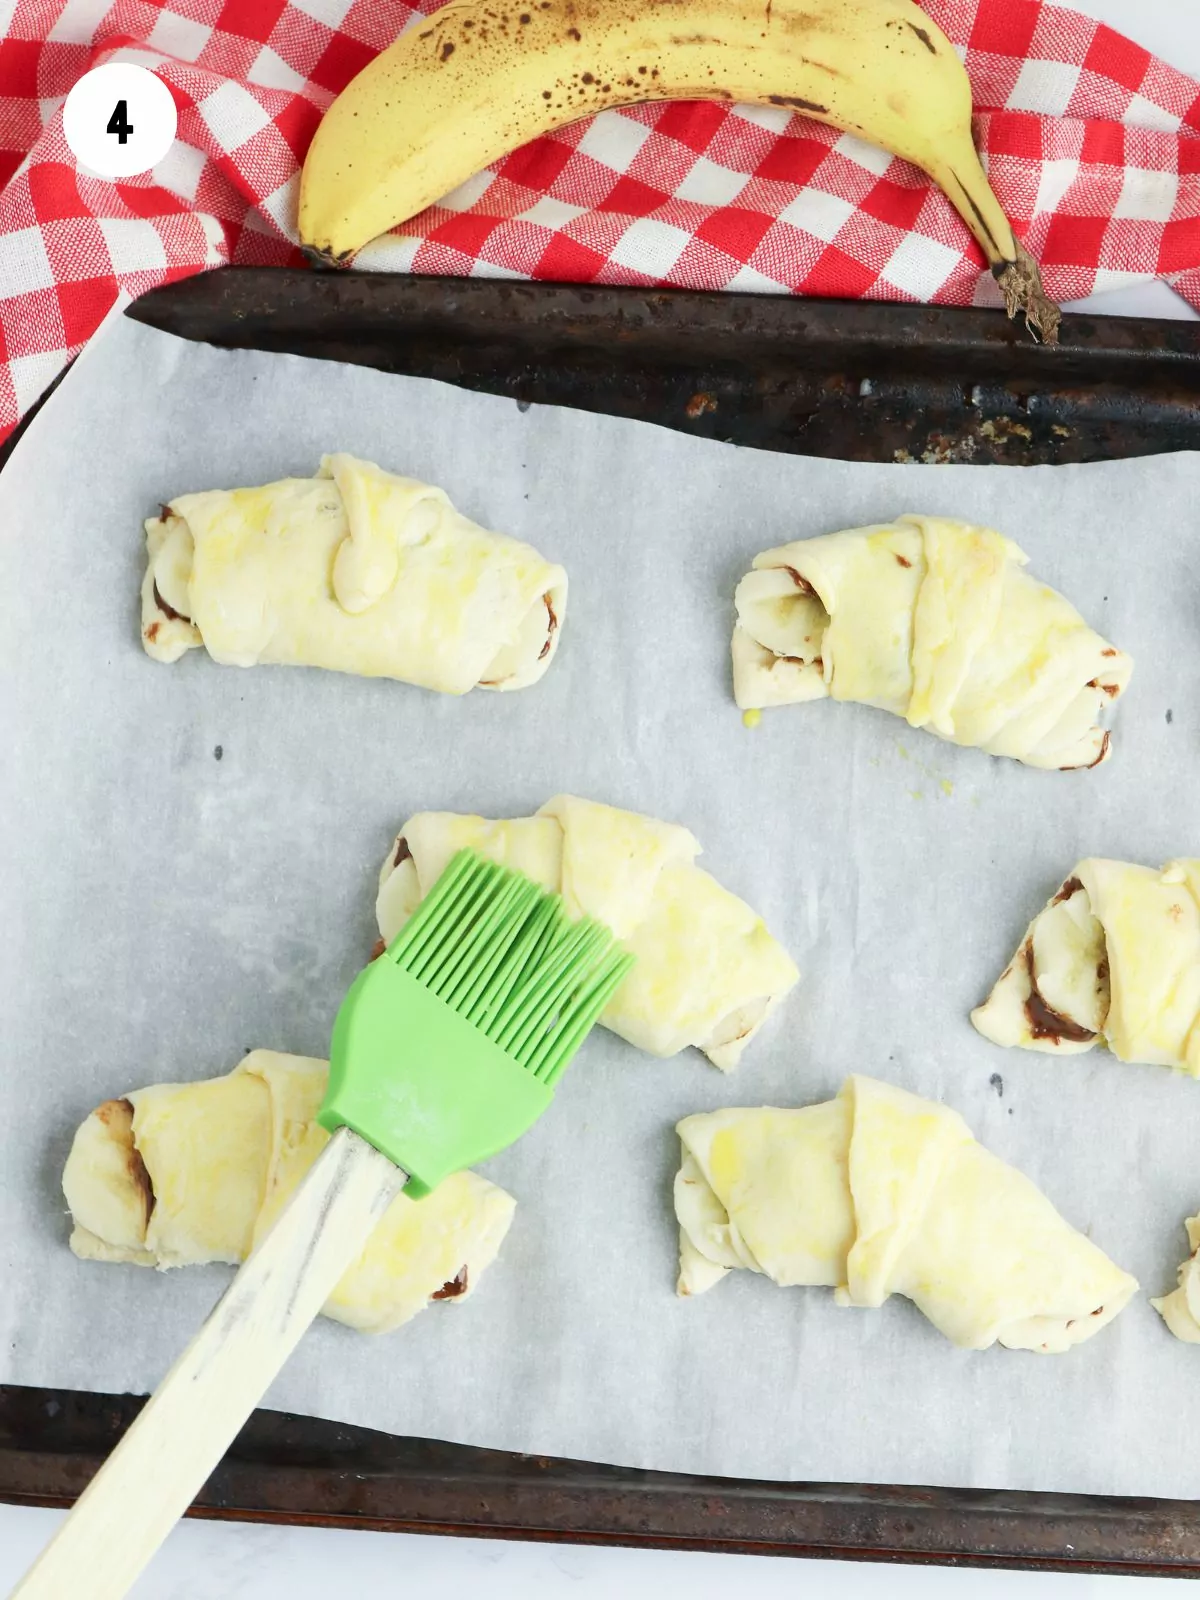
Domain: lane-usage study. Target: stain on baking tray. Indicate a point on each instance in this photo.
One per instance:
(997, 1083)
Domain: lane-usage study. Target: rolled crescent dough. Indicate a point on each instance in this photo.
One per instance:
(1113, 958)
(707, 973)
(937, 622)
(1180, 1309)
(180, 1174)
(879, 1192)
(357, 570)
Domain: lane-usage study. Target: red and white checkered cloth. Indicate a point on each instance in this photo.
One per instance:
(1091, 143)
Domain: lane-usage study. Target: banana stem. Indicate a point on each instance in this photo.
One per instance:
(1021, 285)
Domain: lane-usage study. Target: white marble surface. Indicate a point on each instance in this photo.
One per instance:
(204, 1561)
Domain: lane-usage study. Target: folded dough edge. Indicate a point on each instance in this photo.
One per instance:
(880, 1192)
(935, 621)
(355, 570)
(184, 1174)
(707, 973)
(1112, 958)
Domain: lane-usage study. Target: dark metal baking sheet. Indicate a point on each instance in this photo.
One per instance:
(853, 379)
(298, 1470)
(850, 379)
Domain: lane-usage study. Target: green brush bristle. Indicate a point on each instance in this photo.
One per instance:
(502, 952)
(447, 1049)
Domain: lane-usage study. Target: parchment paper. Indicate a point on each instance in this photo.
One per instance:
(164, 909)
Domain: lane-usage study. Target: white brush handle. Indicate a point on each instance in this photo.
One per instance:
(193, 1416)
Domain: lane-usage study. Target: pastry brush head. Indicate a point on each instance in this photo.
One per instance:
(448, 1047)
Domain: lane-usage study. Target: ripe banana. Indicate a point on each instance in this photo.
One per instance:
(480, 77)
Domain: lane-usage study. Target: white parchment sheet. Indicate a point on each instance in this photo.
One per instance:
(163, 910)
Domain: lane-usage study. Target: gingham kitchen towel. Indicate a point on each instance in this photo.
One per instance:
(1091, 143)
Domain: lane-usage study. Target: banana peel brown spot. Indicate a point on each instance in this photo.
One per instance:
(1001, 262)
(798, 104)
(822, 66)
(800, 21)
(923, 36)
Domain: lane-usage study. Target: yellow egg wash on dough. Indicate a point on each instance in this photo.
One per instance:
(707, 972)
(355, 570)
(879, 1192)
(935, 621)
(222, 1157)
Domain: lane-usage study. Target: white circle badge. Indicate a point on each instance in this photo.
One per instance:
(119, 120)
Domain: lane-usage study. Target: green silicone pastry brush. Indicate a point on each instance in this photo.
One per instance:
(444, 1051)
(448, 1047)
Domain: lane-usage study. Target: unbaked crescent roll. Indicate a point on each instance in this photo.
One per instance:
(1180, 1309)
(938, 622)
(1113, 958)
(707, 972)
(879, 1192)
(357, 570)
(181, 1174)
